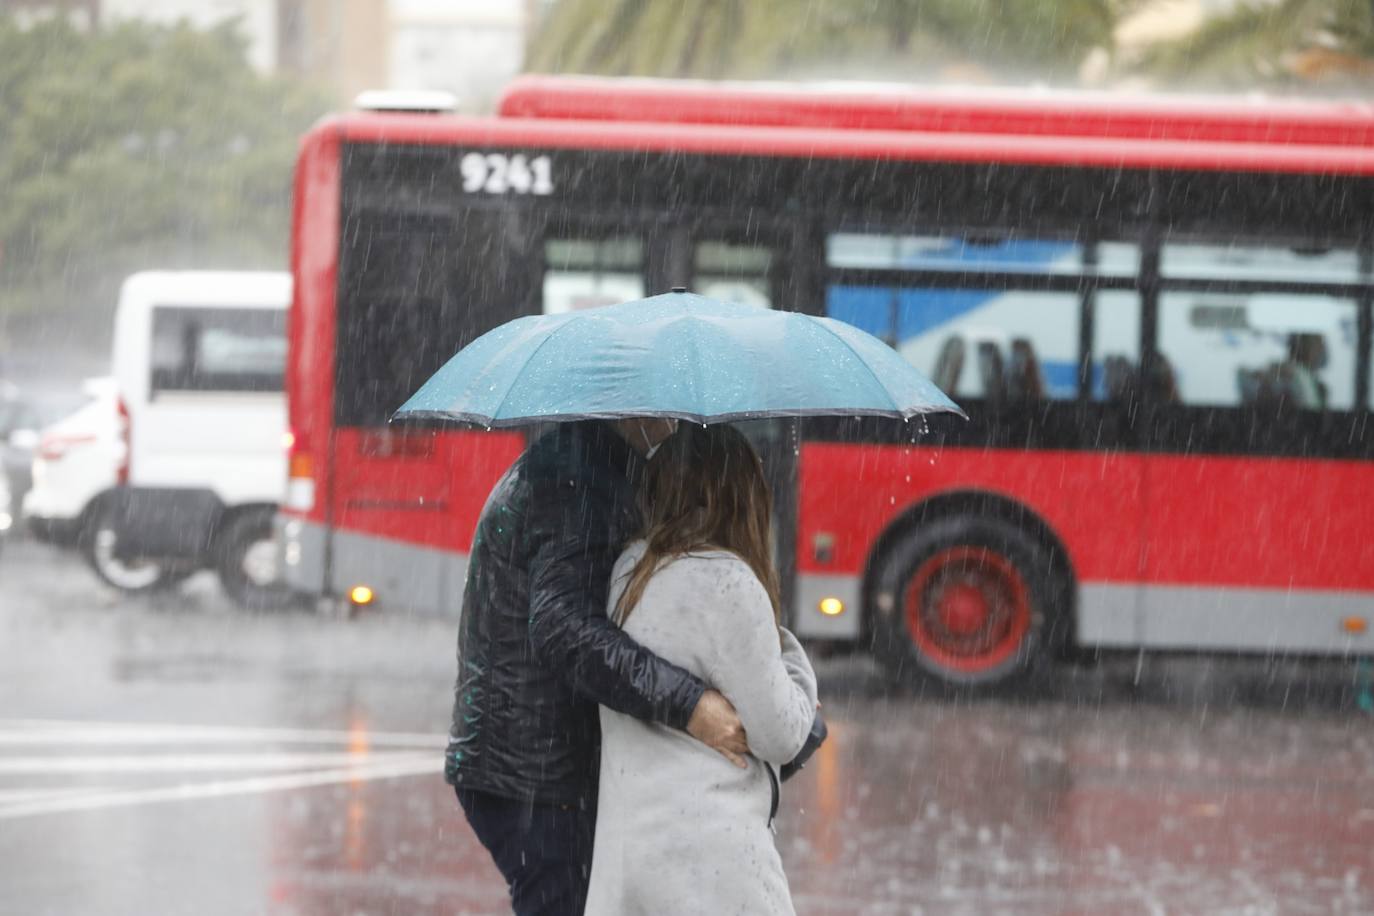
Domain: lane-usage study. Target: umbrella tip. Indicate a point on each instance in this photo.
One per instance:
(679, 289)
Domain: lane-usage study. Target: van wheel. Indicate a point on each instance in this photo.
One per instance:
(249, 568)
(99, 543)
(969, 601)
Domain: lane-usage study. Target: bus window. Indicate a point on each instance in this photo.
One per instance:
(1233, 336)
(1033, 333)
(985, 316)
(734, 273)
(1236, 261)
(585, 273)
(1116, 346)
(1369, 357)
(1262, 350)
(413, 290)
(967, 254)
(392, 308)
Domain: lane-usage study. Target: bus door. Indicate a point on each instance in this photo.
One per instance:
(747, 264)
(592, 263)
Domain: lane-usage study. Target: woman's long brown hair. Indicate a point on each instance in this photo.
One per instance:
(705, 490)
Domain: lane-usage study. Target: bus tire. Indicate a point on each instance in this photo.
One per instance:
(968, 601)
(246, 559)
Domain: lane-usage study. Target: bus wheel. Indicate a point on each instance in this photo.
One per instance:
(967, 601)
(248, 562)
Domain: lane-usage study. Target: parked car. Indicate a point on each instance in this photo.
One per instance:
(198, 363)
(19, 422)
(6, 510)
(74, 467)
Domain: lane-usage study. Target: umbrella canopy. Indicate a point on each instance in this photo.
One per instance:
(675, 355)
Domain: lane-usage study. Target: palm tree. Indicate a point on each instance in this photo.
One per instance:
(859, 38)
(1272, 43)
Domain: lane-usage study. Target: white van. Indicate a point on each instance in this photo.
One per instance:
(198, 364)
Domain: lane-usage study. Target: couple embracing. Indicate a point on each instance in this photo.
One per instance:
(626, 697)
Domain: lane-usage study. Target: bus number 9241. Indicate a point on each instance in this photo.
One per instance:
(497, 173)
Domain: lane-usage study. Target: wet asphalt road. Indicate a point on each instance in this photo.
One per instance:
(178, 756)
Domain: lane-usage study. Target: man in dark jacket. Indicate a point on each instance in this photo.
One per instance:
(537, 653)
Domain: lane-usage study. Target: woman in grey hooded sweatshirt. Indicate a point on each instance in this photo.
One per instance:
(680, 829)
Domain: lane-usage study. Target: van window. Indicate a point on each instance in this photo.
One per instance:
(218, 349)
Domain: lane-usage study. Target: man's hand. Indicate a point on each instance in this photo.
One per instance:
(715, 724)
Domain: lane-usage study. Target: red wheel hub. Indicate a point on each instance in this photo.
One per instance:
(962, 608)
(967, 608)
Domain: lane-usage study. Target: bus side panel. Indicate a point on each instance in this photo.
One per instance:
(302, 523)
(430, 496)
(851, 494)
(1261, 522)
(311, 322)
(407, 503)
(1169, 551)
(1257, 553)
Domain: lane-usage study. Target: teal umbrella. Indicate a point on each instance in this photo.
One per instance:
(675, 355)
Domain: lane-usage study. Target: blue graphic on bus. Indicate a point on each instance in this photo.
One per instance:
(917, 321)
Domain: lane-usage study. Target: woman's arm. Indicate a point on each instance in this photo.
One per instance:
(799, 666)
(774, 691)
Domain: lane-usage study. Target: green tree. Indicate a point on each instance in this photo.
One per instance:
(1274, 43)
(878, 38)
(137, 147)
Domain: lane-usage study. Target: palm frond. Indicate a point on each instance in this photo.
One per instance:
(738, 38)
(1258, 42)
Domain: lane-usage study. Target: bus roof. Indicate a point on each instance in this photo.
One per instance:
(863, 106)
(1108, 152)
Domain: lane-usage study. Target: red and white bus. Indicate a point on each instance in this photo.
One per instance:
(1157, 313)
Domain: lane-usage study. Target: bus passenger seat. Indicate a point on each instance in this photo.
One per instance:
(949, 364)
(1307, 356)
(1250, 385)
(1118, 379)
(1161, 381)
(1293, 382)
(990, 371)
(1024, 380)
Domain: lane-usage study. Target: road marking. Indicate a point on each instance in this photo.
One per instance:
(222, 789)
(47, 731)
(344, 756)
(186, 763)
(11, 796)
